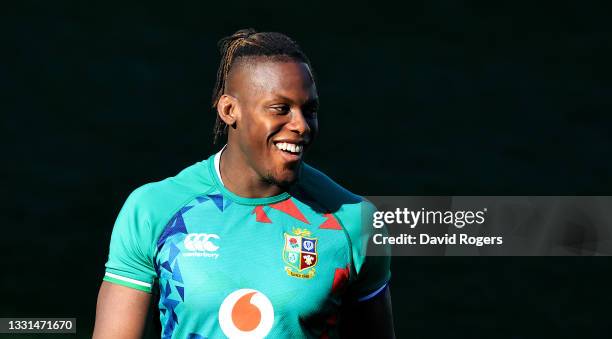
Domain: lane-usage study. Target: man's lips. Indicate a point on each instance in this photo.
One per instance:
(289, 157)
(290, 150)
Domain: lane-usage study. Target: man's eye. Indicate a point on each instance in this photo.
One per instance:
(281, 109)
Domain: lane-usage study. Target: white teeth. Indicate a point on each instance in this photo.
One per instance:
(289, 147)
(281, 146)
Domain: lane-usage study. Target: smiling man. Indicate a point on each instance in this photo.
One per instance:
(251, 242)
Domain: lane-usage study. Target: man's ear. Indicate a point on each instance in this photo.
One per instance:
(228, 109)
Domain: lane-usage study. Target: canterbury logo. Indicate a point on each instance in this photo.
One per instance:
(201, 244)
(246, 313)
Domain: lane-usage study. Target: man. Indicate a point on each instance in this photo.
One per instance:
(251, 242)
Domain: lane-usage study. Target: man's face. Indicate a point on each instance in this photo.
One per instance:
(277, 106)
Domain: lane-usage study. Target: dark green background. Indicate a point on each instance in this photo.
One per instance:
(428, 98)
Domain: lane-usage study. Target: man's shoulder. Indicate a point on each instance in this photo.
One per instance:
(158, 200)
(328, 193)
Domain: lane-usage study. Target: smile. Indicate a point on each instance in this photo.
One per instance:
(289, 147)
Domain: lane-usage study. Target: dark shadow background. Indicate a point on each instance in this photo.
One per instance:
(429, 98)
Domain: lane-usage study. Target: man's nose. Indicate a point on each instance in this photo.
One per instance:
(299, 124)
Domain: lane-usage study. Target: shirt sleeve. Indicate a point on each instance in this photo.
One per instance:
(371, 265)
(130, 259)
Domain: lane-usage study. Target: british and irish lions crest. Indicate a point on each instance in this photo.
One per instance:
(300, 253)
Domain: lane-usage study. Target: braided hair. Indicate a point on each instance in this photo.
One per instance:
(247, 43)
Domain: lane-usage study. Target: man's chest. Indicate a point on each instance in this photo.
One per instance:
(291, 255)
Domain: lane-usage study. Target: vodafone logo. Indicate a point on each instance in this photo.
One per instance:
(201, 245)
(246, 313)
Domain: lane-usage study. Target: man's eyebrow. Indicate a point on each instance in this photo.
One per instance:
(309, 102)
(280, 97)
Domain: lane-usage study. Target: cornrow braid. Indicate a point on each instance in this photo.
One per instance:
(250, 43)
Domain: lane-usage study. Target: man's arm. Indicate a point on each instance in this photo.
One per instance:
(372, 318)
(121, 312)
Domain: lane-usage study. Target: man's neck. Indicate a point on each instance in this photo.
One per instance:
(241, 179)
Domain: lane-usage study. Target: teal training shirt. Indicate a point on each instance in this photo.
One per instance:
(229, 266)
